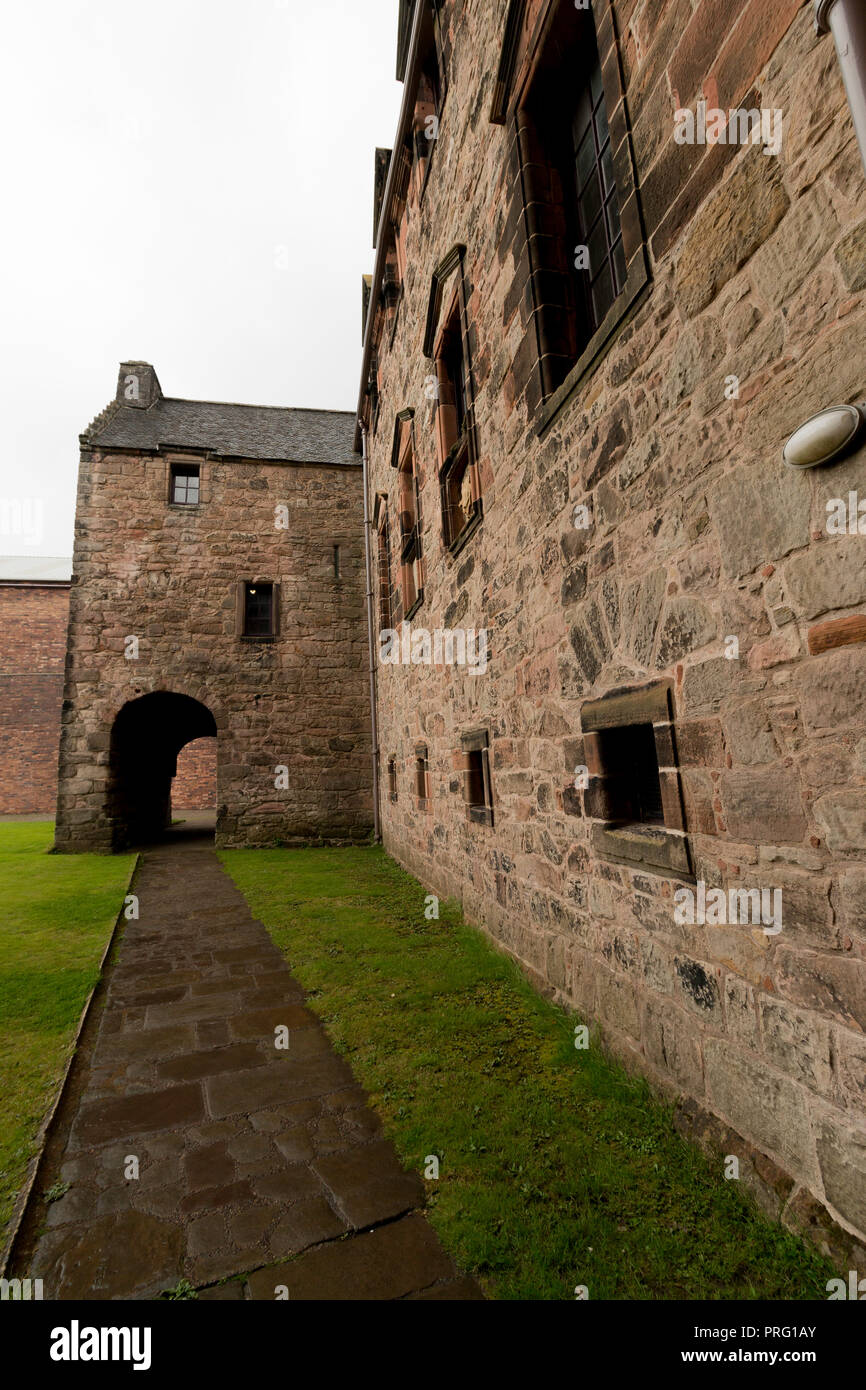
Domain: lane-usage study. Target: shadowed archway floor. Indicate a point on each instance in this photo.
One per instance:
(248, 1156)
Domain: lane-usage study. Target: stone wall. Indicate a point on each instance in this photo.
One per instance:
(194, 785)
(32, 648)
(169, 576)
(698, 534)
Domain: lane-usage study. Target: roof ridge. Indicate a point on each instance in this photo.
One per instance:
(247, 405)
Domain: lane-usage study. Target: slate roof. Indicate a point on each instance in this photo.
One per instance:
(244, 431)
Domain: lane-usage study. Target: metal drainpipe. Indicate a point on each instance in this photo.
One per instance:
(374, 722)
(846, 21)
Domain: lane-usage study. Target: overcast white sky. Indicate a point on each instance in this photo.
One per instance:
(187, 182)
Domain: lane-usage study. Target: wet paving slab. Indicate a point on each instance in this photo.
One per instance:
(193, 1147)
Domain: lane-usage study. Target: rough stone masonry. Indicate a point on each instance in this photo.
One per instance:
(676, 688)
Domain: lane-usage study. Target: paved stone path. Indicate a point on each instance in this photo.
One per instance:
(249, 1156)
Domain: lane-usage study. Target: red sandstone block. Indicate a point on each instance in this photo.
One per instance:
(750, 46)
(840, 632)
(697, 52)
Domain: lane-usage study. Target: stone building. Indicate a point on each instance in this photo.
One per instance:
(217, 592)
(620, 259)
(34, 613)
(34, 602)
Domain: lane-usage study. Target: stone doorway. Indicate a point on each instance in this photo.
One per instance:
(147, 736)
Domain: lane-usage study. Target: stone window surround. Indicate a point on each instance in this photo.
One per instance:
(664, 851)
(240, 610)
(384, 589)
(634, 240)
(477, 741)
(422, 778)
(175, 460)
(392, 778)
(439, 324)
(404, 441)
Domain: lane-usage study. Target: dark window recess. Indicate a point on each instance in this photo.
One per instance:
(383, 561)
(597, 221)
(337, 562)
(630, 762)
(258, 610)
(478, 792)
(185, 480)
(421, 773)
(392, 778)
(579, 265)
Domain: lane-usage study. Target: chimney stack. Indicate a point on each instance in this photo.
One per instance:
(137, 385)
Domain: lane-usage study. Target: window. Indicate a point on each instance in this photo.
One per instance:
(477, 792)
(403, 459)
(392, 779)
(628, 756)
(337, 571)
(595, 206)
(258, 609)
(447, 343)
(422, 791)
(632, 787)
(185, 481)
(383, 561)
(581, 236)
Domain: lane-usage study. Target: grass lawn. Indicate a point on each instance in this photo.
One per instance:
(56, 915)
(556, 1168)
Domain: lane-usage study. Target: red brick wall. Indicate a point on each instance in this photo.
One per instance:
(32, 654)
(194, 786)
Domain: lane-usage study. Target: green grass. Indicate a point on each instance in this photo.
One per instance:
(556, 1168)
(56, 915)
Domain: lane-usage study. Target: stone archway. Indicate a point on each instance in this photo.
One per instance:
(146, 738)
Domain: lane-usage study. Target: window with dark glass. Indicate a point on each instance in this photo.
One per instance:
(392, 779)
(458, 475)
(595, 202)
(578, 259)
(259, 610)
(185, 484)
(383, 562)
(410, 527)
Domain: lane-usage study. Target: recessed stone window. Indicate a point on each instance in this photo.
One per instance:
(383, 561)
(392, 779)
(404, 460)
(447, 343)
(258, 610)
(585, 253)
(185, 484)
(422, 777)
(477, 789)
(632, 787)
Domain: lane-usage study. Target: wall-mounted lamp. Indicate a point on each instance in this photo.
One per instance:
(826, 437)
(846, 21)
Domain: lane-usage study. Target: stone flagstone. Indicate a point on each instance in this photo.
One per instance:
(248, 1155)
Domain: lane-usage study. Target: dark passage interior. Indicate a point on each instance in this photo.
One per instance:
(147, 736)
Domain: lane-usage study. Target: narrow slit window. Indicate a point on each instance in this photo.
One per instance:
(392, 779)
(477, 790)
(421, 773)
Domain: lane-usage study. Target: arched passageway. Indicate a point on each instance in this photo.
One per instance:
(147, 736)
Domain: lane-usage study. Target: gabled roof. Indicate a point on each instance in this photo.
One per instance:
(235, 431)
